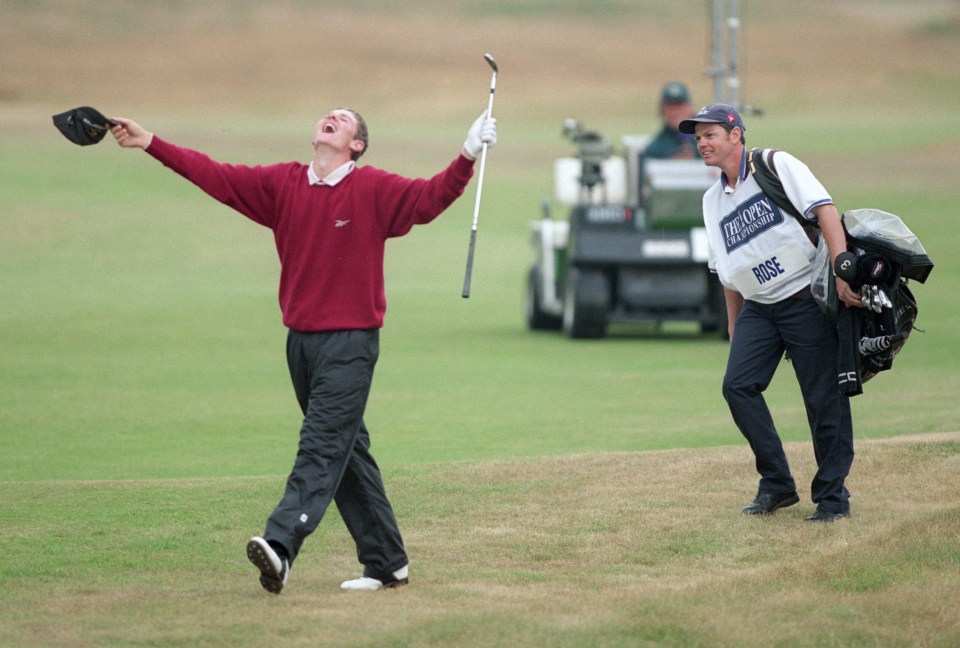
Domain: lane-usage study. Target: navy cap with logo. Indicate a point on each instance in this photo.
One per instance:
(674, 92)
(718, 113)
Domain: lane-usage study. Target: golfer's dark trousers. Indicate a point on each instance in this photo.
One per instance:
(331, 373)
(761, 334)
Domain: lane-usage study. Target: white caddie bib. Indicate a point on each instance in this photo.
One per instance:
(763, 274)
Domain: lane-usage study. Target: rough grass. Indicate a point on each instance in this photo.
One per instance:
(608, 549)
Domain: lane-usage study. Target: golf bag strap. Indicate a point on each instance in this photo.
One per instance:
(764, 170)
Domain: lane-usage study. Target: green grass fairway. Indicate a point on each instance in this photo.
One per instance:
(552, 492)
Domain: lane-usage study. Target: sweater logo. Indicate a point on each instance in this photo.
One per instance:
(749, 220)
(341, 223)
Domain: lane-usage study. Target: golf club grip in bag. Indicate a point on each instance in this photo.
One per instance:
(883, 334)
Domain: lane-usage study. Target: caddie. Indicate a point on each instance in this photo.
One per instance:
(764, 259)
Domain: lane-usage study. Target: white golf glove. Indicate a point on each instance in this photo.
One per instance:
(483, 131)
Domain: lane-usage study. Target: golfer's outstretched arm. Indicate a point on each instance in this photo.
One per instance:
(130, 134)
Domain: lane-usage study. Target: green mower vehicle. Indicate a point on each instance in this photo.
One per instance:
(633, 248)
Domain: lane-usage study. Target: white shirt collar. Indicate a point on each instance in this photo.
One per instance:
(729, 189)
(333, 177)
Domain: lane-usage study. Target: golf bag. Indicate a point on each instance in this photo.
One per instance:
(886, 256)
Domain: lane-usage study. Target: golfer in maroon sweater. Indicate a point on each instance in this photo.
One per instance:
(330, 220)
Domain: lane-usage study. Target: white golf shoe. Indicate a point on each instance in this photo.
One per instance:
(365, 583)
(273, 569)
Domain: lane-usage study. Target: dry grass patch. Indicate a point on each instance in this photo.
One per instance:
(588, 550)
(658, 534)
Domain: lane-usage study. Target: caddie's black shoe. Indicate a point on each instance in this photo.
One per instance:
(825, 516)
(767, 503)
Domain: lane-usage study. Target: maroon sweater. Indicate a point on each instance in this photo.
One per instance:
(330, 239)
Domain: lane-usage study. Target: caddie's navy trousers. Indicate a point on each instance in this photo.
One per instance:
(761, 334)
(331, 373)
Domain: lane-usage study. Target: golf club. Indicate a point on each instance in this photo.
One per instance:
(483, 161)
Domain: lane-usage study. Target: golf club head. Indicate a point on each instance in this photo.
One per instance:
(492, 63)
(83, 126)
